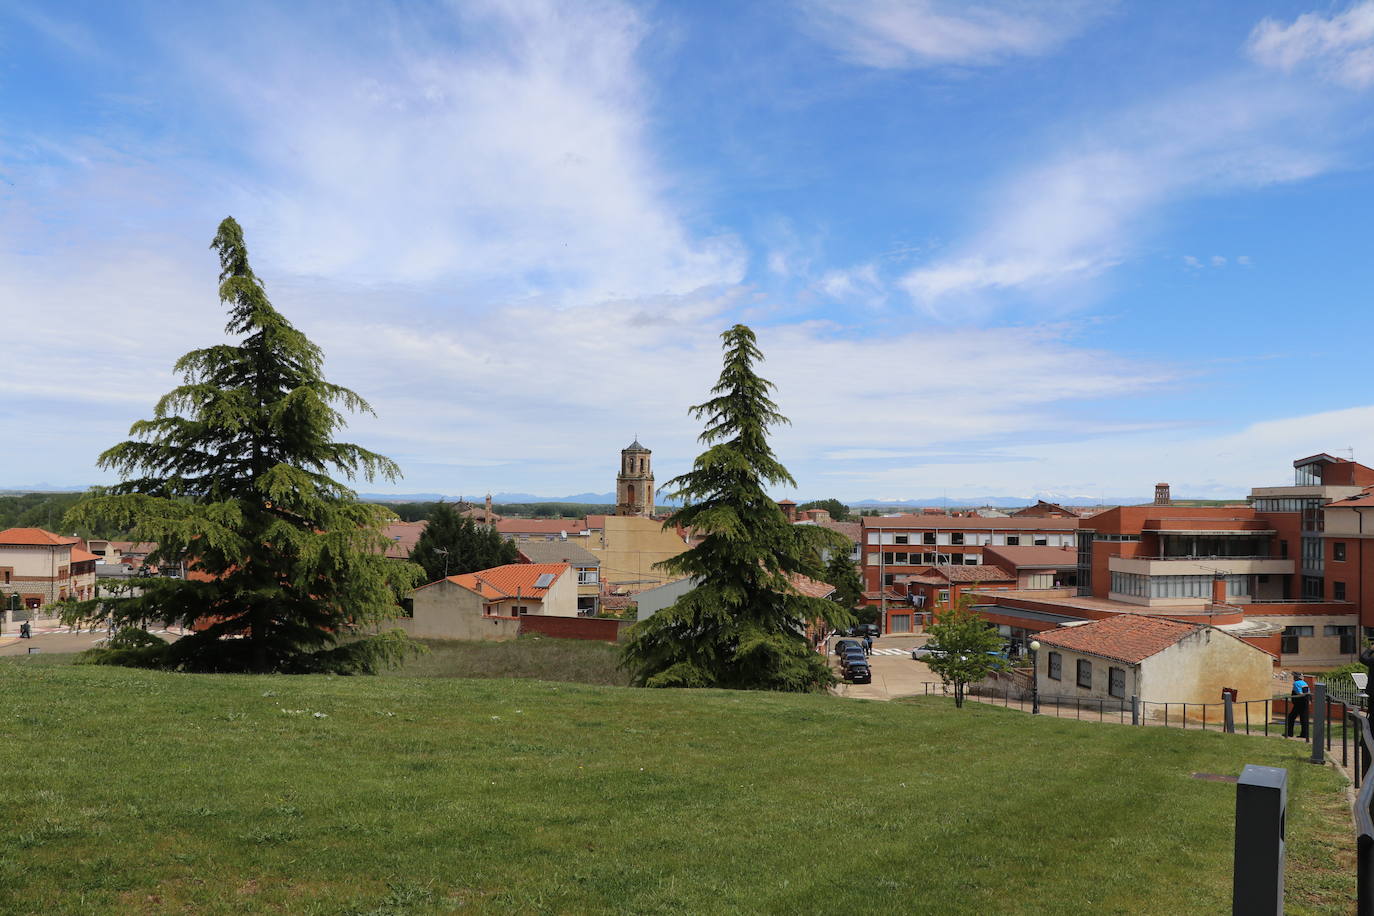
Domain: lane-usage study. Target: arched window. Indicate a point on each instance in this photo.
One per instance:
(630, 494)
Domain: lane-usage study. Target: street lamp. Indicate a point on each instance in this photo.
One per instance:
(444, 551)
(1035, 676)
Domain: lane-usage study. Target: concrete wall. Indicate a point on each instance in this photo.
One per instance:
(1195, 669)
(656, 599)
(1067, 686)
(628, 548)
(447, 611)
(1319, 650)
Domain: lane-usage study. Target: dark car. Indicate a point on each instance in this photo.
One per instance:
(842, 644)
(867, 629)
(861, 674)
(853, 655)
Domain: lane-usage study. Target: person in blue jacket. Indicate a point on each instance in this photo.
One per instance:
(1299, 703)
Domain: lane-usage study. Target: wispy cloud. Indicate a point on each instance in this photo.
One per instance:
(519, 167)
(1062, 222)
(1338, 47)
(893, 34)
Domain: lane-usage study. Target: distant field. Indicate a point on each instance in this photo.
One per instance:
(139, 792)
(574, 660)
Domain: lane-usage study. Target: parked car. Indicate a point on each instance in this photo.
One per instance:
(842, 644)
(853, 657)
(868, 629)
(921, 652)
(861, 674)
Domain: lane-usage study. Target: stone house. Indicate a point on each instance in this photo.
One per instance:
(1154, 658)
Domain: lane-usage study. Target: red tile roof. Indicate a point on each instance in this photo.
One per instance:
(1129, 638)
(1359, 500)
(508, 581)
(851, 530)
(82, 556)
(540, 525)
(811, 588)
(403, 536)
(939, 575)
(34, 537)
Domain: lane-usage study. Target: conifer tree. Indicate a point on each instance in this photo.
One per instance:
(453, 544)
(841, 572)
(231, 476)
(743, 625)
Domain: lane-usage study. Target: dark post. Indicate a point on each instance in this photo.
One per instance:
(1228, 697)
(1261, 806)
(1135, 710)
(1319, 723)
(1035, 676)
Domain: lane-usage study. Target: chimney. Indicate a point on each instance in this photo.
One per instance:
(1219, 589)
(489, 520)
(1162, 497)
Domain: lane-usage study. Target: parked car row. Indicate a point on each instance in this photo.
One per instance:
(853, 662)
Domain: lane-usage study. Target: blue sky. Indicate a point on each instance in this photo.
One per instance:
(998, 248)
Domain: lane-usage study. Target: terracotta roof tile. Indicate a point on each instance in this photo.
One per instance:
(1129, 638)
(34, 537)
(82, 556)
(540, 525)
(939, 575)
(811, 588)
(1016, 557)
(509, 580)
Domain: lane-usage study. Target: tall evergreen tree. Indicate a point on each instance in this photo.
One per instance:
(232, 477)
(743, 625)
(453, 544)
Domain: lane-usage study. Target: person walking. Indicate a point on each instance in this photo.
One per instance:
(1299, 702)
(868, 645)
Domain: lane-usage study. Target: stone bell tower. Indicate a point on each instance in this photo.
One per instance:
(634, 485)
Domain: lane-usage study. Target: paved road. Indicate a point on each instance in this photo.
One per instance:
(894, 672)
(50, 638)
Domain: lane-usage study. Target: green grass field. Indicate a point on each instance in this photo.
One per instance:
(141, 792)
(533, 657)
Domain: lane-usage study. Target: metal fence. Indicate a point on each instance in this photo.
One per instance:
(1364, 811)
(1249, 717)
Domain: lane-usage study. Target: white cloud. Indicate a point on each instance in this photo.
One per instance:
(1218, 261)
(1055, 225)
(1338, 47)
(1244, 260)
(518, 166)
(1191, 261)
(860, 285)
(893, 34)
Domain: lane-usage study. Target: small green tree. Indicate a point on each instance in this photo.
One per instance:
(453, 544)
(839, 512)
(743, 626)
(841, 572)
(232, 476)
(964, 644)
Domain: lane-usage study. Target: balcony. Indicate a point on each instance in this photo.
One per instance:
(1201, 566)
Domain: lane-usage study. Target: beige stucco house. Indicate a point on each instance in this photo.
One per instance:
(1153, 658)
(42, 567)
(488, 604)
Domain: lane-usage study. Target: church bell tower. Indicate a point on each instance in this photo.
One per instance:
(634, 486)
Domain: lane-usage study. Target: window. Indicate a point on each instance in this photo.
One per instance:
(888, 557)
(944, 596)
(957, 559)
(1116, 682)
(1056, 667)
(928, 538)
(1338, 551)
(1085, 673)
(888, 579)
(1312, 558)
(956, 537)
(586, 577)
(1283, 550)
(901, 559)
(970, 559)
(902, 539)
(1338, 591)
(407, 607)
(872, 560)
(1013, 540)
(1290, 641)
(1347, 635)
(1042, 542)
(1312, 587)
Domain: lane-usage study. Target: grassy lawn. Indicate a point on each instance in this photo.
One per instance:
(577, 661)
(130, 791)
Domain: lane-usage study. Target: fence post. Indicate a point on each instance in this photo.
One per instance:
(1318, 723)
(1228, 713)
(1135, 710)
(1257, 876)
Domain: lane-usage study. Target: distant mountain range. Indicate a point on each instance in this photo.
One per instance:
(1000, 502)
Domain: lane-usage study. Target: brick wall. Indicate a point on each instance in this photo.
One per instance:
(596, 628)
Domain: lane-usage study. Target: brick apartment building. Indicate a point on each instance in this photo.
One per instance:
(1286, 572)
(42, 567)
